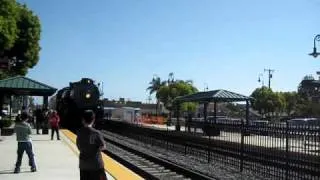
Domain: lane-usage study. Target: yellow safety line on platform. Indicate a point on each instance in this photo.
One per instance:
(75, 150)
(115, 169)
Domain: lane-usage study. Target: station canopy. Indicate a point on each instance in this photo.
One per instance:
(21, 85)
(219, 95)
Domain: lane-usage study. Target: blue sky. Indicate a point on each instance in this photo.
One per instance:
(223, 43)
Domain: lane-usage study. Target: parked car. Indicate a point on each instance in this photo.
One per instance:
(4, 112)
(260, 123)
(304, 121)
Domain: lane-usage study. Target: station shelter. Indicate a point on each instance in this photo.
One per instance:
(24, 86)
(215, 96)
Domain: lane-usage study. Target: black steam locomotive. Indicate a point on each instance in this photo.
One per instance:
(72, 101)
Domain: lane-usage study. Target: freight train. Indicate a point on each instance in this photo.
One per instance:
(73, 100)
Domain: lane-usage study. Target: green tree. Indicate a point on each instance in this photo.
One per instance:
(303, 107)
(263, 100)
(268, 102)
(279, 103)
(19, 38)
(167, 93)
(306, 107)
(291, 99)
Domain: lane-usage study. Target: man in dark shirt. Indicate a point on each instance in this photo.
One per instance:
(39, 119)
(90, 143)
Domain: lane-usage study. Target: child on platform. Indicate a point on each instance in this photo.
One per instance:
(23, 132)
(90, 144)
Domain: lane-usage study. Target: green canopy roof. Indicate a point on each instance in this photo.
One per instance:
(21, 85)
(219, 95)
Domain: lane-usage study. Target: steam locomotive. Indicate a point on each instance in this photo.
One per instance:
(72, 101)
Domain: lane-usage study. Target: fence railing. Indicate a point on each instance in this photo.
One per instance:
(282, 150)
(276, 151)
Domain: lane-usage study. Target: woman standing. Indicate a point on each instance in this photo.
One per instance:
(54, 120)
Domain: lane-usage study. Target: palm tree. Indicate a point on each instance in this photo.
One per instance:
(171, 78)
(155, 85)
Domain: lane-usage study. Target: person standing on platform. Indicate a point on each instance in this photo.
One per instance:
(39, 119)
(45, 125)
(23, 132)
(90, 144)
(24, 110)
(54, 120)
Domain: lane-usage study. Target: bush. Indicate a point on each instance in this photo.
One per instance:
(5, 123)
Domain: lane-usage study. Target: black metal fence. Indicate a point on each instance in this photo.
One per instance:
(275, 151)
(282, 150)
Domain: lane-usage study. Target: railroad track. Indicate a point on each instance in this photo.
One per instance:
(145, 164)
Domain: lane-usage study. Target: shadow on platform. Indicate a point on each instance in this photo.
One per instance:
(11, 171)
(6, 171)
(41, 140)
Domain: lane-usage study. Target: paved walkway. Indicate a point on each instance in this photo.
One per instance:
(56, 160)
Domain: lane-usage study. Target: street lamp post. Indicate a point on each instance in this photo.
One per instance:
(260, 79)
(315, 53)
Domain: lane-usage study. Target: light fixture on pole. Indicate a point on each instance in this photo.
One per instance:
(260, 79)
(315, 53)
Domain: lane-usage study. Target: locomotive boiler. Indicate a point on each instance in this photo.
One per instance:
(73, 100)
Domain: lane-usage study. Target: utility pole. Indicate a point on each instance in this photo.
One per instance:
(270, 71)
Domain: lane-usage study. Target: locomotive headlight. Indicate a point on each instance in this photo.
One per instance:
(88, 95)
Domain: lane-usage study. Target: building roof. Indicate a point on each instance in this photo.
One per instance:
(21, 85)
(116, 104)
(219, 95)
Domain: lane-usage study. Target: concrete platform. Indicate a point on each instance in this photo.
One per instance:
(56, 160)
